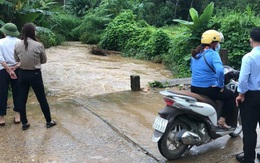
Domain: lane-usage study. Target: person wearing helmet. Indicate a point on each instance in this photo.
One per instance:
(208, 74)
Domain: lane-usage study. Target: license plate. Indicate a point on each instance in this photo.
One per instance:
(160, 124)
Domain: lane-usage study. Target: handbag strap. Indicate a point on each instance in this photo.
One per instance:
(208, 64)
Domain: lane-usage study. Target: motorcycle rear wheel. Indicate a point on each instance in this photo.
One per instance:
(167, 145)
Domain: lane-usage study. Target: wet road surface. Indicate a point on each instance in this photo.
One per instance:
(99, 118)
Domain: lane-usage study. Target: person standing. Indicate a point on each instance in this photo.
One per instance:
(30, 53)
(8, 71)
(207, 76)
(248, 99)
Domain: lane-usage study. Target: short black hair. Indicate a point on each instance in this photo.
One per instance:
(255, 34)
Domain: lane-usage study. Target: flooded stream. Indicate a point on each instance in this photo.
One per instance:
(71, 70)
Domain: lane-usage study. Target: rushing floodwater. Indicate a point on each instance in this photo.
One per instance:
(72, 70)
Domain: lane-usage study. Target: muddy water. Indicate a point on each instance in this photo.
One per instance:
(72, 71)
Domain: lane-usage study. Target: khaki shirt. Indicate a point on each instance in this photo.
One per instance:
(33, 57)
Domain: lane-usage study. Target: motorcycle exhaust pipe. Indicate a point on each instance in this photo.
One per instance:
(188, 138)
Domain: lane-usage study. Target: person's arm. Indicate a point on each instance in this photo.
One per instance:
(244, 75)
(217, 63)
(43, 56)
(243, 79)
(9, 70)
(17, 65)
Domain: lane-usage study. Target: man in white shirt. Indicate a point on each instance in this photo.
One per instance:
(8, 71)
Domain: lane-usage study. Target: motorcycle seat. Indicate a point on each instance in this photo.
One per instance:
(199, 98)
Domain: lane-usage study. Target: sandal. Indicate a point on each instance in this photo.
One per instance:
(2, 120)
(16, 122)
(222, 124)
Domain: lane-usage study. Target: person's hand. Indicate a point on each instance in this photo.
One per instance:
(240, 98)
(13, 68)
(12, 75)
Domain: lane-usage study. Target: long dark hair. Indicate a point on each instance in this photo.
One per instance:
(199, 49)
(28, 31)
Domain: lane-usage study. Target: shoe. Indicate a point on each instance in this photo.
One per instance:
(240, 157)
(2, 124)
(16, 122)
(50, 124)
(25, 126)
(223, 125)
(258, 155)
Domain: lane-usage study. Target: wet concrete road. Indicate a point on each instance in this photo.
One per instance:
(98, 122)
(113, 127)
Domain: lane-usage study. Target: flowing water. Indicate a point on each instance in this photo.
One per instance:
(71, 70)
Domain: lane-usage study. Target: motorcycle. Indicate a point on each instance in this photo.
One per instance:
(190, 119)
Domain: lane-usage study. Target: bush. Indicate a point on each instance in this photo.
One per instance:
(178, 57)
(236, 27)
(122, 28)
(64, 25)
(135, 37)
(91, 29)
(47, 37)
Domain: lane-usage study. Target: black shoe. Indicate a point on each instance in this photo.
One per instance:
(50, 124)
(240, 157)
(258, 155)
(25, 126)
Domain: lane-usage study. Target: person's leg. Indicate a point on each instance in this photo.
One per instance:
(24, 88)
(249, 118)
(226, 96)
(4, 85)
(15, 93)
(38, 88)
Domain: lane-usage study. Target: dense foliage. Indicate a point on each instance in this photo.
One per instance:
(64, 24)
(162, 31)
(135, 37)
(80, 7)
(47, 37)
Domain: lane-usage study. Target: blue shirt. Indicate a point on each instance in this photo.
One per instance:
(202, 75)
(249, 77)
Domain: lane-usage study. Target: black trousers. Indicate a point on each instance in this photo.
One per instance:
(250, 116)
(27, 79)
(5, 82)
(227, 96)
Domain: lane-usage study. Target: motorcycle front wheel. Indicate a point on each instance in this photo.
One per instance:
(168, 146)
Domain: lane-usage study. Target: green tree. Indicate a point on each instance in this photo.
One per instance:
(23, 11)
(80, 7)
(199, 23)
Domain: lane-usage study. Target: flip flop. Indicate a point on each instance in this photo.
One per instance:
(2, 124)
(16, 122)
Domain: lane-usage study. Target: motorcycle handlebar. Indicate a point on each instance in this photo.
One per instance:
(234, 74)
